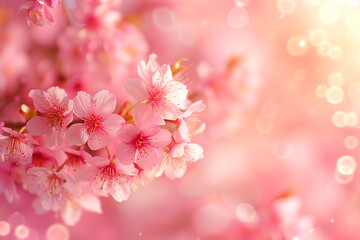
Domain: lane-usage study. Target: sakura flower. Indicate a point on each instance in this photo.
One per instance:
(75, 161)
(37, 12)
(142, 178)
(180, 155)
(158, 101)
(142, 146)
(52, 187)
(109, 177)
(56, 113)
(99, 122)
(188, 124)
(16, 147)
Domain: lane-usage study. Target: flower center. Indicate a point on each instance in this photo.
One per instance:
(56, 117)
(54, 184)
(94, 123)
(140, 141)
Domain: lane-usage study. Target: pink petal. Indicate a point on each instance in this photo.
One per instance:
(112, 123)
(119, 190)
(53, 203)
(90, 203)
(162, 77)
(105, 102)
(195, 151)
(136, 89)
(55, 137)
(182, 133)
(130, 170)
(170, 111)
(147, 159)
(71, 187)
(196, 107)
(77, 134)
(39, 171)
(126, 153)
(175, 172)
(37, 126)
(48, 15)
(144, 114)
(82, 104)
(178, 150)
(71, 213)
(161, 139)
(177, 93)
(57, 95)
(98, 139)
(41, 102)
(97, 161)
(127, 133)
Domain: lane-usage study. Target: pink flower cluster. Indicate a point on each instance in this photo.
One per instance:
(37, 12)
(72, 151)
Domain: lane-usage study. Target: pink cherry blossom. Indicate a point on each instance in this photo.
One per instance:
(16, 147)
(189, 124)
(99, 122)
(37, 12)
(175, 164)
(75, 161)
(53, 188)
(109, 177)
(55, 110)
(161, 100)
(142, 146)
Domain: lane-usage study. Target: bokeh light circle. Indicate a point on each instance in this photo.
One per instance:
(238, 18)
(286, 6)
(22, 232)
(57, 231)
(4, 228)
(346, 165)
(245, 213)
(334, 95)
(297, 45)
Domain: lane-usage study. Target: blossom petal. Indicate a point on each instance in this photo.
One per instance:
(41, 102)
(98, 139)
(119, 190)
(147, 159)
(126, 153)
(136, 89)
(37, 126)
(82, 104)
(77, 134)
(105, 102)
(160, 139)
(144, 114)
(55, 137)
(127, 133)
(112, 123)
(90, 203)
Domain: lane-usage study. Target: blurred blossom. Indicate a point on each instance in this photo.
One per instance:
(162, 119)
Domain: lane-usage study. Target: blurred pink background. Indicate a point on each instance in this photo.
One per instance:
(281, 82)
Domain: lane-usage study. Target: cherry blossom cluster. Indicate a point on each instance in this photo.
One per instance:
(72, 151)
(37, 12)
